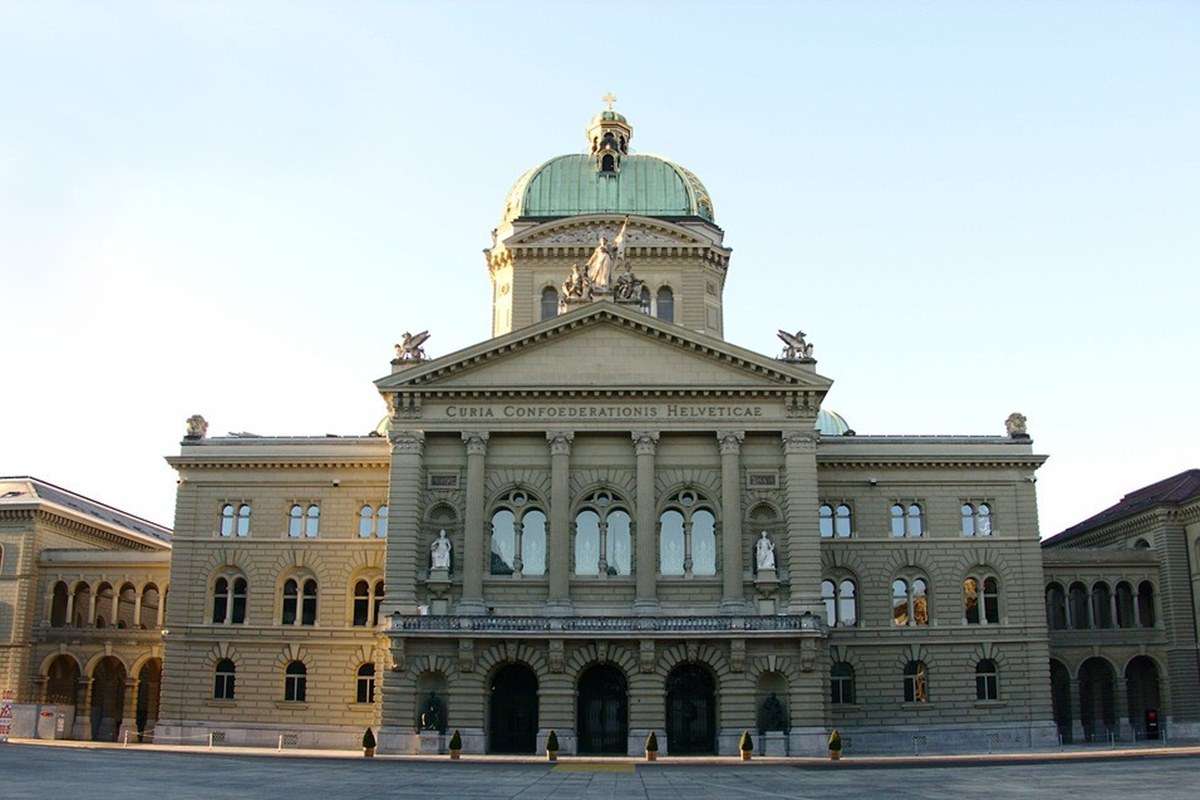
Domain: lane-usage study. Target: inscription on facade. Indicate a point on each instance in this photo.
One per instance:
(660, 411)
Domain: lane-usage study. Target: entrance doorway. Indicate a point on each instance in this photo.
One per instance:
(513, 710)
(691, 711)
(1096, 683)
(108, 699)
(601, 712)
(1141, 686)
(1060, 694)
(149, 682)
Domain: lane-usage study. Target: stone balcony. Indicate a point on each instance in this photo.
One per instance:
(616, 627)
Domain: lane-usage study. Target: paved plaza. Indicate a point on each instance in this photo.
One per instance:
(50, 772)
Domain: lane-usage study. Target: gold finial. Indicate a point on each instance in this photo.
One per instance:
(609, 98)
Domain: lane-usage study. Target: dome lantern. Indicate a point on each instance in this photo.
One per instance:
(608, 138)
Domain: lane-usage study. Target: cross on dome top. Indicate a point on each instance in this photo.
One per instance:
(609, 98)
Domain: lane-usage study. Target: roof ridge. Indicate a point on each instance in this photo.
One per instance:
(36, 480)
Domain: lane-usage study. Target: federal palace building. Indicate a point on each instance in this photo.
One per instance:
(604, 520)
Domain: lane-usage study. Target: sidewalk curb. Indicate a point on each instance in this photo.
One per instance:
(800, 762)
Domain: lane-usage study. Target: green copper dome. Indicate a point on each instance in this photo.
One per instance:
(571, 185)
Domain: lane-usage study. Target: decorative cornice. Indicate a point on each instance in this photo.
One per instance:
(644, 442)
(931, 461)
(282, 462)
(476, 442)
(799, 442)
(560, 442)
(407, 441)
(730, 442)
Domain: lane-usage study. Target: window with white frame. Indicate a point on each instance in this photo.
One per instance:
(304, 522)
(224, 680)
(908, 519)
(229, 600)
(687, 536)
(835, 520)
(235, 519)
(518, 540)
(977, 519)
(295, 682)
(910, 602)
(841, 602)
(916, 682)
(365, 684)
(368, 596)
(372, 522)
(987, 680)
(299, 602)
(603, 544)
(981, 600)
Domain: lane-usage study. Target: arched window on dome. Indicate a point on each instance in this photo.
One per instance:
(608, 164)
(665, 305)
(549, 302)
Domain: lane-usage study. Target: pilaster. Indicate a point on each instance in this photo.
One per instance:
(559, 549)
(404, 513)
(474, 558)
(803, 533)
(733, 600)
(645, 443)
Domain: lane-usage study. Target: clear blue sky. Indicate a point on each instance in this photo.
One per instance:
(236, 209)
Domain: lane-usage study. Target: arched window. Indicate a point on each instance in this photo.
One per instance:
(378, 601)
(1102, 605)
(296, 522)
(1079, 606)
(608, 164)
(308, 607)
(224, 680)
(366, 522)
(835, 520)
(291, 592)
(981, 600)
(549, 302)
(362, 603)
(237, 615)
(365, 685)
(829, 597)
(295, 683)
(976, 519)
(987, 682)
(916, 682)
(104, 603)
(587, 543)
(841, 602)
(907, 520)
(910, 602)
(228, 520)
(841, 683)
(220, 605)
(312, 521)
(1125, 612)
(381, 522)
(1141, 544)
(666, 304)
(1145, 604)
(58, 605)
(518, 536)
(243, 522)
(602, 537)
(688, 536)
(1056, 607)
(81, 599)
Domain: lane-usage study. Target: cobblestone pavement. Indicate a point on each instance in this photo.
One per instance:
(48, 773)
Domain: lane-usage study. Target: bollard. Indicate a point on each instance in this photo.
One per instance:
(126, 742)
(210, 740)
(280, 748)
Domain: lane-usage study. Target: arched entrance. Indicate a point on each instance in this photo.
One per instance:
(62, 681)
(602, 711)
(513, 710)
(149, 683)
(108, 699)
(1141, 684)
(691, 711)
(1096, 709)
(1060, 694)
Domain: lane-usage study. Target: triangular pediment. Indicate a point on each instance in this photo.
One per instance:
(605, 347)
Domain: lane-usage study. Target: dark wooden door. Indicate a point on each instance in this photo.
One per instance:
(602, 712)
(513, 711)
(691, 712)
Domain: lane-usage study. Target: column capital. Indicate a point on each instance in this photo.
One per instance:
(476, 442)
(407, 441)
(560, 442)
(730, 441)
(644, 442)
(799, 442)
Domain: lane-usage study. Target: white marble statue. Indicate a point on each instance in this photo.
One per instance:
(439, 551)
(764, 552)
(605, 257)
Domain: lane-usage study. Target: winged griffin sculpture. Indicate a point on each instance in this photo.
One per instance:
(410, 348)
(795, 348)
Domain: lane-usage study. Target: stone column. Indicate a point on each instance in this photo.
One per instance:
(559, 546)
(732, 599)
(803, 533)
(404, 522)
(473, 557)
(646, 560)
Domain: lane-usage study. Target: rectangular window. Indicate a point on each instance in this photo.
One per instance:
(295, 688)
(842, 694)
(986, 687)
(224, 686)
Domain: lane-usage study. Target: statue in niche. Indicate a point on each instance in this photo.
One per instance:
(772, 716)
(577, 286)
(439, 551)
(605, 257)
(764, 552)
(433, 714)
